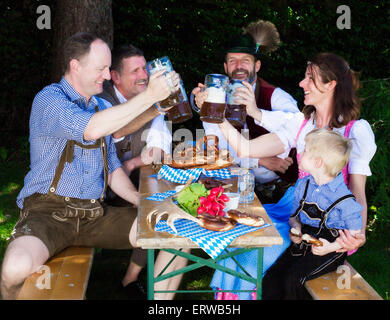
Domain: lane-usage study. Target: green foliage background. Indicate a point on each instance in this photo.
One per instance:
(193, 34)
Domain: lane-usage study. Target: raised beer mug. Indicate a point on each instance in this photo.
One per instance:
(213, 109)
(156, 65)
(182, 112)
(235, 113)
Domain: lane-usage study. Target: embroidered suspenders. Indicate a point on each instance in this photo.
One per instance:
(314, 212)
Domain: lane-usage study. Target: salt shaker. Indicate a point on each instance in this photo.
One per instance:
(246, 186)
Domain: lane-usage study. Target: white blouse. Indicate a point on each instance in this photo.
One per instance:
(286, 127)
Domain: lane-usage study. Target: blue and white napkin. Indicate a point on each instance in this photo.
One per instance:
(161, 196)
(212, 242)
(181, 176)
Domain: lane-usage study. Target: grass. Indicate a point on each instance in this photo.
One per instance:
(371, 261)
(11, 181)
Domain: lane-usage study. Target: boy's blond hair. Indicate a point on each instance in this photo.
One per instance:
(331, 147)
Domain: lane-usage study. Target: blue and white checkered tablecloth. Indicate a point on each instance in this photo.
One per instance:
(212, 242)
(181, 176)
(161, 196)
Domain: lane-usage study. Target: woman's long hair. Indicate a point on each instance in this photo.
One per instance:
(346, 104)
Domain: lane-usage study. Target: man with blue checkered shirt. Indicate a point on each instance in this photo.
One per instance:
(73, 159)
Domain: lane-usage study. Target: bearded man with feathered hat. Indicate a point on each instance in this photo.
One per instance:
(244, 55)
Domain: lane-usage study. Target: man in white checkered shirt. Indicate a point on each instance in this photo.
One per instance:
(73, 159)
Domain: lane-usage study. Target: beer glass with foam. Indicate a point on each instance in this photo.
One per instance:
(235, 113)
(181, 110)
(213, 109)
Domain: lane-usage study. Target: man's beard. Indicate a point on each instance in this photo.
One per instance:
(250, 75)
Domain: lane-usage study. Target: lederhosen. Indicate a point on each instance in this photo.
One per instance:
(286, 278)
(60, 221)
(79, 208)
(313, 212)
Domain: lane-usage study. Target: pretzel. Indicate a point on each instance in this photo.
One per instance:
(245, 218)
(306, 237)
(295, 232)
(215, 223)
(309, 239)
(198, 157)
(205, 140)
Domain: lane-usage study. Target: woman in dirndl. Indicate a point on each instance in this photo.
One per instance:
(330, 97)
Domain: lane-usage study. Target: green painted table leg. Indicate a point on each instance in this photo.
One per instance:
(150, 274)
(200, 262)
(259, 289)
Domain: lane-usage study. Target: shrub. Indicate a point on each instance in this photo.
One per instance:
(375, 109)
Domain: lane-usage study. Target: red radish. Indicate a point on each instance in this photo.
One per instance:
(202, 200)
(215, 206)
(211, 197)
(224, 197)
(201, 210)
(207, 205)
(211, 211)
(214, 191)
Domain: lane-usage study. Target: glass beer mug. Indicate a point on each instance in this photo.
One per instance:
(235, 114)
(213, 109)
(181, 110)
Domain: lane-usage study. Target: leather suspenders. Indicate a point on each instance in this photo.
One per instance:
(67, 156)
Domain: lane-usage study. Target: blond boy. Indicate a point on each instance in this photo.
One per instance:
(322, 205)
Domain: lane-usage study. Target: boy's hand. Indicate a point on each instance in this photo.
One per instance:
(295, 235)
(324, 249)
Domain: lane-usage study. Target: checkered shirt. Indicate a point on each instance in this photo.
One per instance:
(59, 113)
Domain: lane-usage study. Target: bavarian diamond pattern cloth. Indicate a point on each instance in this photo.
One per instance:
(161, 196)
(212, 242)
(181, 176)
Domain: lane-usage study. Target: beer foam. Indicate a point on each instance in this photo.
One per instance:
(231, 89)
(216, 95)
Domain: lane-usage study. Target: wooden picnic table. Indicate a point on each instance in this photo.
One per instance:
(149, 239)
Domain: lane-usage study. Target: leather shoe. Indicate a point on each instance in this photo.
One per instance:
(135, 291)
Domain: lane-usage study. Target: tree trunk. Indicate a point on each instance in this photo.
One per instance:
(75, 16)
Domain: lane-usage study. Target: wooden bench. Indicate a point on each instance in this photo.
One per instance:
(325, 287)
(69, 274)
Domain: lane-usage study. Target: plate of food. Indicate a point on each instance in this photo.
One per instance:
(205, 207)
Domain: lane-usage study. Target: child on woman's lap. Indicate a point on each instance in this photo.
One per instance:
(322, 206)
